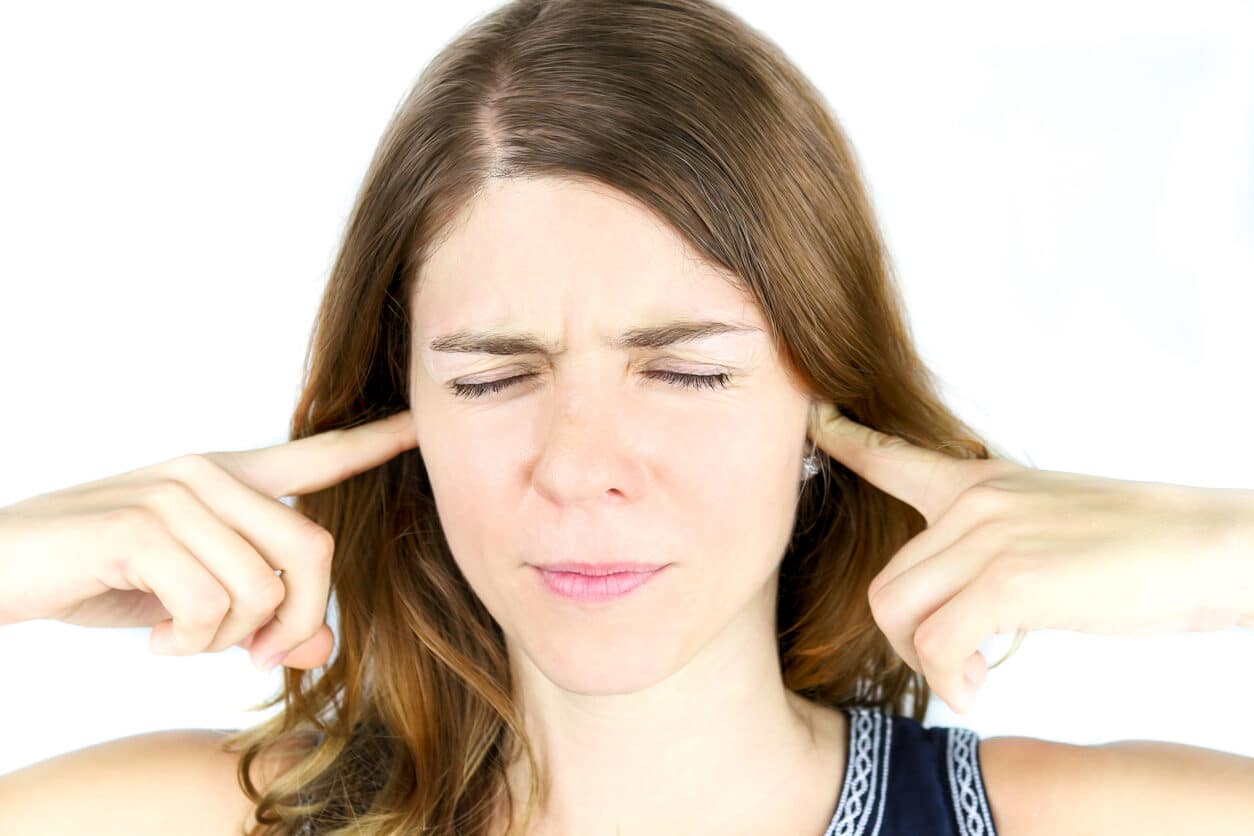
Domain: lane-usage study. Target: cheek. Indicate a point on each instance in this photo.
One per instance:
(733, 482)
(474, 481)
(737, 457)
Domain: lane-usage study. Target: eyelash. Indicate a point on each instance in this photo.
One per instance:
(687, 381)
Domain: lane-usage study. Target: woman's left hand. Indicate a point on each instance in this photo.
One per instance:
(1011, 548)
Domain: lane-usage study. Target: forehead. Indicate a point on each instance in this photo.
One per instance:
(550, 252)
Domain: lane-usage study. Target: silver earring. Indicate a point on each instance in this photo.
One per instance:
(810, 464)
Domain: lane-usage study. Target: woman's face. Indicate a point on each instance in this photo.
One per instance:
(590, 455)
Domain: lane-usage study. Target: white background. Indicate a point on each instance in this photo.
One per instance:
(1065, 187)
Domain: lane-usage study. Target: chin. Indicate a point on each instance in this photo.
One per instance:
(596, 668)
(604, 680)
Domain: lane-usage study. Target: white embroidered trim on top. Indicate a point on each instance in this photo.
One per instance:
(866, 787)
(966, 788)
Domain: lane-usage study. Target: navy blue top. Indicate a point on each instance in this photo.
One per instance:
(905, 779)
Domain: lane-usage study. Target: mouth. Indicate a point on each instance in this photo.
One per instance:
(599, 587)
(601, 569)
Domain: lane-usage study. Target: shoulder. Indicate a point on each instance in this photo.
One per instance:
(1146, 787)
(177, 781)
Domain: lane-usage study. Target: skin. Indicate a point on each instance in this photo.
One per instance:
(664, 711)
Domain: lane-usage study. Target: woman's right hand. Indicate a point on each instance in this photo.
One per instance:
(191, 546)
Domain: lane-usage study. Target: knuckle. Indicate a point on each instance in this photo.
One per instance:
(189, 465)
(983, 501)
(875, 600)
(928, 641)
(872, 593)
(1000, 532)
(1009, 574)
(164, 492)
(265, 596)
(989, 538)
(890, 618)
(135, 524)
(877, 583)
(275, 592)
(322, 543)
(885, 602)
(208, 608)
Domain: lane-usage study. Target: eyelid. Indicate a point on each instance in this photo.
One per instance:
(683, 380)
(691, 367)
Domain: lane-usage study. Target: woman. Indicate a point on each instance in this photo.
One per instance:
(613, 292)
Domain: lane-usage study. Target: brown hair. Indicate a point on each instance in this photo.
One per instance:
(687, 109)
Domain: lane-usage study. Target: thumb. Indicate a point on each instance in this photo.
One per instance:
(313, 652)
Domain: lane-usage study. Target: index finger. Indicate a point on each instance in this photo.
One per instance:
(927, 480)
(319, 461)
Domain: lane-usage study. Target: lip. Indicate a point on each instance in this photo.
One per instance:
(595, 588)
(601, 568)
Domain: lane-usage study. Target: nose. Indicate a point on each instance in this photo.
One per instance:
(585, 453)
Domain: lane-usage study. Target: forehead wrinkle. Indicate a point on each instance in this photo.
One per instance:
(646, 337)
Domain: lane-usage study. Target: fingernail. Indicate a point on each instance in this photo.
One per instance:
(271, 662)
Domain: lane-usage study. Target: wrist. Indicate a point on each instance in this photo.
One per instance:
(1242, 550)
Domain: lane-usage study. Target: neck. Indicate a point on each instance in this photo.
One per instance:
(718, 746)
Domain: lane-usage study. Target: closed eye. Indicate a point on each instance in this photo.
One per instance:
(689, 381)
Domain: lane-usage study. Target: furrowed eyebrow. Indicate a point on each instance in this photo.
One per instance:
(651, 337)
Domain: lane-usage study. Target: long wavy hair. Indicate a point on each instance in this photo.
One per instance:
(696, 115)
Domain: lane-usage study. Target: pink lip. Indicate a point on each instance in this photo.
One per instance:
(577, 586)
(601, 568)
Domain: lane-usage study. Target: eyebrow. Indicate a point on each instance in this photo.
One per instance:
(650, 337)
